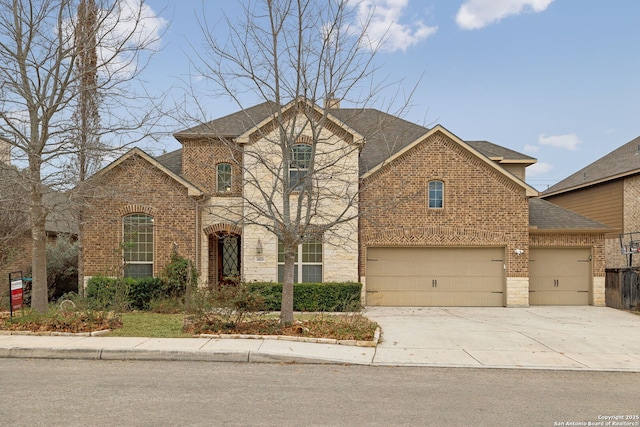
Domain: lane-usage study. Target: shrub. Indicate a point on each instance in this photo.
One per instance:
(224, 308)
(62, 267)
(109, 293)
(126, 293)
(312, 296)
(176, 275)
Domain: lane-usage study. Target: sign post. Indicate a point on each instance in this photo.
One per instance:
(15, 286)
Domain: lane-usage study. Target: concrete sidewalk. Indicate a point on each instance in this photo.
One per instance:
(573, 338)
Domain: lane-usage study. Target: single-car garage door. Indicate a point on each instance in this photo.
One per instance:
(435, 276)
(559, 276)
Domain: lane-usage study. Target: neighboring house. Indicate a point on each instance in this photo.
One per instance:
(608, 191)
(444, 221)
(15, 233)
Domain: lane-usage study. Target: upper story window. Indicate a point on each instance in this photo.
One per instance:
(436, 194)
(138, 245)
(223, 177)
(300, 161)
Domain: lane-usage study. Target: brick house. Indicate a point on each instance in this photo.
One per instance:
(607, 190)
(441, 221)
(15, 235)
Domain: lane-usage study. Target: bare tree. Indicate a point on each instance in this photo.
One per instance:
(45, 61)
(294, 55)
(14, 221)
(87, 115)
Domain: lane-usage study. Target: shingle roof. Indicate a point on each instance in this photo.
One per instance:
(492, 150)
(547, 216)
(384, 134)
(620, 162)
(172, 161)
(233, 124)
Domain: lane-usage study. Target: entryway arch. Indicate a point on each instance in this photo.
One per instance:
(225, 254)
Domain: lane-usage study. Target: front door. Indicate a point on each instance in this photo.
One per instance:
(228, 259)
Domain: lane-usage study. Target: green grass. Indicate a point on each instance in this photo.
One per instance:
(153, 325)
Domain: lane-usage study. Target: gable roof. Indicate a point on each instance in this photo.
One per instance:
(501, 154)
(172, 161)
(245, 136)
(621, 162)
(385, 135)
(529, 191)
(546, 216)
(233, 124)
(192, 190)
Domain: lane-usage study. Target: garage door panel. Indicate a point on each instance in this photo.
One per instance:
(435, 276)
(558, 298)
(559, 276)
(435, 298)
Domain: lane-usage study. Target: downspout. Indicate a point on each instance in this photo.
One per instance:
(197, 237)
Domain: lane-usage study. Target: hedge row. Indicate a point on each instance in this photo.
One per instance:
(129, 293)
(312, 296)
(136, 294)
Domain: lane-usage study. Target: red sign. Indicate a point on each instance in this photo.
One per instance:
(16, 294)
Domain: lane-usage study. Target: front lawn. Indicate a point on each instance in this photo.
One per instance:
(153, 325)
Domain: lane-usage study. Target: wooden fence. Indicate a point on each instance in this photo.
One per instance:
(622, 288)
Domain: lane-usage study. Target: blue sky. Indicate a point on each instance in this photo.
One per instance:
(558, 80)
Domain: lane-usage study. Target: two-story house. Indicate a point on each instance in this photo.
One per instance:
(428, 219)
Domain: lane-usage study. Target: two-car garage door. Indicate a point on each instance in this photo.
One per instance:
(410, 276)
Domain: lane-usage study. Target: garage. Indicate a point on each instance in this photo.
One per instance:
(559, 276)
(428, 276)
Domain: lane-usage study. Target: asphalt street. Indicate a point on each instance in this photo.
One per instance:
(40, 392)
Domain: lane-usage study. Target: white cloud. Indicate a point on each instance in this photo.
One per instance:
(385, 25)
(128, 28)
(531, 148)
(476, 14)
(569, 141)
(538, 169)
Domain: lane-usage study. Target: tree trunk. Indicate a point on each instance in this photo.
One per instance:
(286, 309)
(39, 291)
(80, 254)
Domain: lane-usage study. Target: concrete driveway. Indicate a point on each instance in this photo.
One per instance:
(580, 338)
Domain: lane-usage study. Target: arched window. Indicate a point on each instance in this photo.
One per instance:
(223, 177)
(299, 166)
(436, 194)
(137, 245)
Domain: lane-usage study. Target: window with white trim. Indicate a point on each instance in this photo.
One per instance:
(299, 166)
(138, 245)
(223, 177)
(436, 194)
(308, 264)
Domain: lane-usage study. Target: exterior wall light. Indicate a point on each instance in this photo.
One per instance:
(259, 247)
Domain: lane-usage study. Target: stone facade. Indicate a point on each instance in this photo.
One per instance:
(334, 194)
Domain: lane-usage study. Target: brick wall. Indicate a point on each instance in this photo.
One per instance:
(19, 261)
(200, 158)
(135, 186)
(481, 206)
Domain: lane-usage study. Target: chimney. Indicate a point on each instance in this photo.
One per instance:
(5, 151)
(331, 102)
